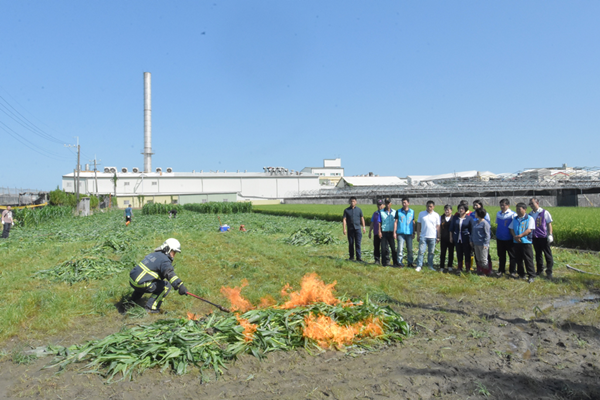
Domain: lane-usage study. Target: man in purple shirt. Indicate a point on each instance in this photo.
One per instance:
(375, 221)
(542, 237)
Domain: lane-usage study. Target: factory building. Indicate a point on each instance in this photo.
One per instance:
(138, 188)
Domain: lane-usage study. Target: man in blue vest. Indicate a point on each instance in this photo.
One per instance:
(542, 237)
(387, 234)
(521, 230)
(504, 239)
(405, 231)
(354, 220)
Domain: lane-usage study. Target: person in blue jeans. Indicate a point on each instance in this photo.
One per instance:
(354, 220)
(405, 231)
(428, 234)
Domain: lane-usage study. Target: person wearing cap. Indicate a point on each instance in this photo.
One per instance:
(354, 220)
(375, 222)
(7, 222)
(387, 234)
(405, 231)
(542, 237)
(155, 275)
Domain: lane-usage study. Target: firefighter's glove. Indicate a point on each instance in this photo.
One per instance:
(182, 290)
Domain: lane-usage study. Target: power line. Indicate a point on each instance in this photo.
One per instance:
(24, 122)
(29, 144)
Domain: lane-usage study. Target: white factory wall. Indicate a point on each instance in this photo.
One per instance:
(250, 185)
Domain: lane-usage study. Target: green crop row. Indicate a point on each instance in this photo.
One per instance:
(214, 207)
(35, 216)
(159, 208)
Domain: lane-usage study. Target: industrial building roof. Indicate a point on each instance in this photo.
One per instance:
(453, 175)
(371, 181)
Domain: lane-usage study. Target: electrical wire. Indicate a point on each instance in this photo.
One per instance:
(24, 122)
(29, 144)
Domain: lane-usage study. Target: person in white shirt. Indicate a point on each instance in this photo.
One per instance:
(542, 237)
(428, 234)
(7, 222)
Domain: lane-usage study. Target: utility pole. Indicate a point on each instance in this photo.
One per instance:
(96, 163)
(78, 166)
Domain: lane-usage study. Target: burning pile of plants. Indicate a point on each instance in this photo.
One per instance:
(311, 318)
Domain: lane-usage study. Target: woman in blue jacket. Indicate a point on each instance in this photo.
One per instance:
(460, 234)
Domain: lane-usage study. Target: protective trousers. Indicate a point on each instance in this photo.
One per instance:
(158, 289)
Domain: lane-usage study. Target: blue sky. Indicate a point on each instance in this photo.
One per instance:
(391, 87)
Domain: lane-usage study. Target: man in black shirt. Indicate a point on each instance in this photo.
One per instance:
(354, 219)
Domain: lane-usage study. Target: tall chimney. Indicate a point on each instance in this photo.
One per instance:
(147, 124)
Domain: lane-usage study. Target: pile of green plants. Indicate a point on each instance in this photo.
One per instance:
(212, 342)
(214, 207)
(309, 236)
(95, 263)
(34, 216)
(159, 208)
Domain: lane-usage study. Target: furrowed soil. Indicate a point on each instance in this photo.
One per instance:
(458, 350)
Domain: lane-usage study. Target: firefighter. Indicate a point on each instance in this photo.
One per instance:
(155, 275)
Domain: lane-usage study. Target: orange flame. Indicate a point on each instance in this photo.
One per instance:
(238, 303)
(249, 328)
(328, 333)
(192, 316)
(312, 290)
(266, 302)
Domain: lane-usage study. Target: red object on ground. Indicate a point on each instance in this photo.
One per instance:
(242, 228)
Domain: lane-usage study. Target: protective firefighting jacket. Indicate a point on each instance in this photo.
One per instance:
(155, 266)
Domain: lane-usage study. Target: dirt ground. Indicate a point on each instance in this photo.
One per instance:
(458, 351)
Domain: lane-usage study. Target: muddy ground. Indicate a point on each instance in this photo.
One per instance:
(458, 351)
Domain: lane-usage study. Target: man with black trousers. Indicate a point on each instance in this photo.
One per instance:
(521, 229)
(354, 220)
(504, 239)
(387, 234)
(542, 237)
(375, 221)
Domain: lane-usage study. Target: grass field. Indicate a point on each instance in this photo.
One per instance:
(37, 308)
(573, 227)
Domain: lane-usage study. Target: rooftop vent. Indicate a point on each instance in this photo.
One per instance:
(135, 169)
(159, 169)
(169, 170)
(124, 170)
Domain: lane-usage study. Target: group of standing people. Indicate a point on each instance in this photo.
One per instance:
(465, 233)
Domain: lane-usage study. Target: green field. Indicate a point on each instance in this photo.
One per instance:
(36, 307)
(573, 227)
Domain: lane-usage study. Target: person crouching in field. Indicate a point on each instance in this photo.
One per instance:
(522, 227)
(446, 245)
(460, 234)
(354, 219)
(480, 241)
(155, 275)
(375, 222)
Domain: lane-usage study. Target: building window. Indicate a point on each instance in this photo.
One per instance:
(204, 200)
(225, 200)
(126, 202)
(154, 183)
(126, 183)
(69, 184)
